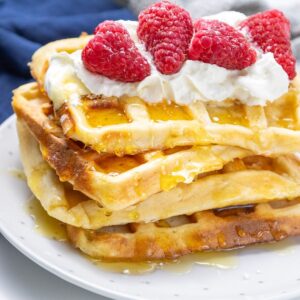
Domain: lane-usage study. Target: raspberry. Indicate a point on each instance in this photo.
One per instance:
(270, 31)
(166, 29)
(112, 53)
(218, 43)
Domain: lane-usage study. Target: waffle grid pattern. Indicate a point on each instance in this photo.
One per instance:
(273, 129)
(115, 182)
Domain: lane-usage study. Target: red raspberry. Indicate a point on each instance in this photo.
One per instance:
(218, 43)
(112, 53)
(270, 30)
(166, 29)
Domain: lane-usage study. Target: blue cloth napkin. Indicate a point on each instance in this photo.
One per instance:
(26, 25)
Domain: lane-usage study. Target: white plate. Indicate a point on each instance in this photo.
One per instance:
(260, 273)
(18, 274)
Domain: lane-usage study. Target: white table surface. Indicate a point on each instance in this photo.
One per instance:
(21, 279)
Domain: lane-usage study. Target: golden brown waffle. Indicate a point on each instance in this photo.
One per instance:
(129, 126)
(208, 230)
(251, 180)
(115, 182)
(165, 239)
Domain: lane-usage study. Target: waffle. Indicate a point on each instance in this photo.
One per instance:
(115, 182)
(202, 231)
(237, 184)
(218, 229)
(129, 126)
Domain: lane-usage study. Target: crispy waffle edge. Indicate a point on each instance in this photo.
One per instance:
(238, 228)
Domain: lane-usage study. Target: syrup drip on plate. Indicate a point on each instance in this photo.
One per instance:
(223, 260)
(44, 224)
(17, 173)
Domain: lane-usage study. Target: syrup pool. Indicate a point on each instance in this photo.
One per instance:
(223, 260)
(44, 224)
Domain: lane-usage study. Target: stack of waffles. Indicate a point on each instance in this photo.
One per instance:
(135, 181)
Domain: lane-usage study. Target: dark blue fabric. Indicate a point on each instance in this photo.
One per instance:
(27, 24)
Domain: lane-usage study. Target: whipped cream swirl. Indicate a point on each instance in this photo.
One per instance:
(265, 80)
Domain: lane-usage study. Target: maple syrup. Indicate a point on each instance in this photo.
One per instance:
(282, 112)
(234, 114)
(117, 165)
(97, 117)
(223, 260)
(166, 112)
(44, 224)
(129, 268)
(201, 162)
(284, 247)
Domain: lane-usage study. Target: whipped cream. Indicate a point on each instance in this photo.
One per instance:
(62, 83)
(67, 78)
